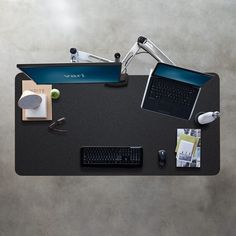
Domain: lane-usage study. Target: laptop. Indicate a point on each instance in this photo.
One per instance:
(173, 90)
(64, 73)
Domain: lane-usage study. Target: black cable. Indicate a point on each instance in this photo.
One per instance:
(132, 56)
(140, 53)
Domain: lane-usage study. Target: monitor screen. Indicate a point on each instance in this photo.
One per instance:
(67, 73)
(181, 74)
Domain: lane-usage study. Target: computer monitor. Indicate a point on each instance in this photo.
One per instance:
(67, 73)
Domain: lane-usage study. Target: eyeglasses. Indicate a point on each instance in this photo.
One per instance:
(53, 126)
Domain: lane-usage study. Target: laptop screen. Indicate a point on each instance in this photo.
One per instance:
(181, 74)
(73, 72)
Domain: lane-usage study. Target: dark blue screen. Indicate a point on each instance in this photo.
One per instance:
(76, 73)
(181, 74)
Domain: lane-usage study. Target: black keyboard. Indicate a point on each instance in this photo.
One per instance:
(162, 88)
(111, 156)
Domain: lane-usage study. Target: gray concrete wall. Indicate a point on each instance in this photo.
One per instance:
(196, 34)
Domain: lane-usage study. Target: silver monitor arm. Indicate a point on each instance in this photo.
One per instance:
(149, 47)
(80, 56)
(142, 43)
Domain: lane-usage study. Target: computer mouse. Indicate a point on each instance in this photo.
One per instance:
(162, 158)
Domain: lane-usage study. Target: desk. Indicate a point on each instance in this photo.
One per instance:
(98, 115)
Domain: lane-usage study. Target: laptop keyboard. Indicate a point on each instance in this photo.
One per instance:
(164, 88)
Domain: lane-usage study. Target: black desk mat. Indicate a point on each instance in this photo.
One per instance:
(99, 115)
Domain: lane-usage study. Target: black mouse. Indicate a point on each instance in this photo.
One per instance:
(162, 158)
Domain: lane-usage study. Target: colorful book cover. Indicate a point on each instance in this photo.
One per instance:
(188, 148)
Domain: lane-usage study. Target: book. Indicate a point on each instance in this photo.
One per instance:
(185, 151)
(188, 138)
(39, 89)
(40, 111)
(188, 148)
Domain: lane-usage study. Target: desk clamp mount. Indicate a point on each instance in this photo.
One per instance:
(143, 45)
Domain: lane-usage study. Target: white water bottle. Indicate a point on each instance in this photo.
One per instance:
(208, 117)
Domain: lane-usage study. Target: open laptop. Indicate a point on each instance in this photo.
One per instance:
(173, 91)
(63, 73)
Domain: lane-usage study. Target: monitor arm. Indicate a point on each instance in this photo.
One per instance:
(80, 56)
(142, 43)
(149, 47)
